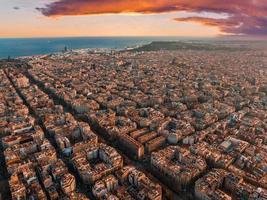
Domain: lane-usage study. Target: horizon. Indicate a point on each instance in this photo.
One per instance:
(219, 37)
(115, 36)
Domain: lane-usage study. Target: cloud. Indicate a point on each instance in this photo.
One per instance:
(237, 25)
(244, 16)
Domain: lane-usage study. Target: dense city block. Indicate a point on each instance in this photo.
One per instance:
(165, 124)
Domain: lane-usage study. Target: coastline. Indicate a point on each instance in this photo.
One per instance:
(20, 47)
(124, 44)
(84, 50)
(16, 48)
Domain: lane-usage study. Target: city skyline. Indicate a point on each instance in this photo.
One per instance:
(69, 18)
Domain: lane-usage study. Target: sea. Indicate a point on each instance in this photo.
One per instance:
(18, 47)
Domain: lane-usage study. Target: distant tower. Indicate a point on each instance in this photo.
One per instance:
(8, 58)
(65, 49)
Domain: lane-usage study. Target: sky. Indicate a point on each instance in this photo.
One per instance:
(194, 18)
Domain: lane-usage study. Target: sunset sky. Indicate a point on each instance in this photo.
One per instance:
(49, 18)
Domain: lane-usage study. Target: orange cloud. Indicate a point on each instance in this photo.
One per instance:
(225, 25)
(245, 16)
